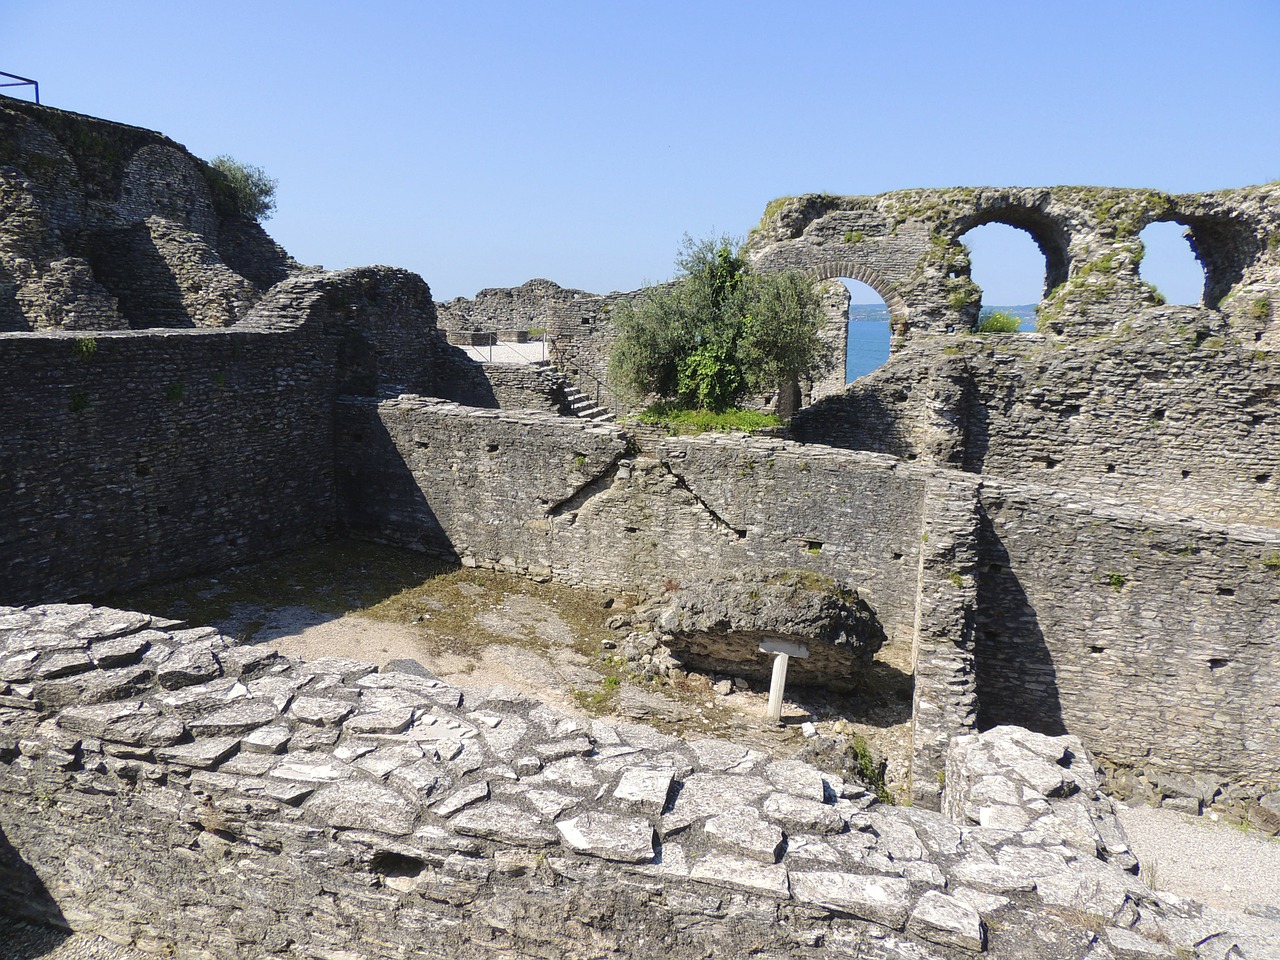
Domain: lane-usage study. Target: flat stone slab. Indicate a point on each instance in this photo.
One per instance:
(992, 878)
(187, 666)
(799, 814)
(130, 721)
(381, 721)
(798, 779)
(461, 799)
(626, 839)
(120, 652)
(884, 900)
(362, 805)
(239, 718)
(202, 754)
(321, 712)
(749, 875)
(643, 789)
(742, 830)
(948, 921)
(271, 739)
(506, 824)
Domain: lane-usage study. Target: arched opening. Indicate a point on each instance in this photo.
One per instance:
(1170, 265)
(867, 338)
(1011, 268)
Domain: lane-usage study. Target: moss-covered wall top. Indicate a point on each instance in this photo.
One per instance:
(906, 246)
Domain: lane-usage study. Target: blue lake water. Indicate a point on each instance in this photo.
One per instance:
(869, 334)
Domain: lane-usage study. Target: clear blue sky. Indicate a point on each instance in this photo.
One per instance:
(482, 144)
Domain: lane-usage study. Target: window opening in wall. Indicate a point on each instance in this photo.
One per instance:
(868, 336)
(1170, 265)
(1009, 269)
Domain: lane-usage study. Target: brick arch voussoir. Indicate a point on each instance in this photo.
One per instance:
(833, 269)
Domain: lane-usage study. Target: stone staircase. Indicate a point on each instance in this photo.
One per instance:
(579, 404)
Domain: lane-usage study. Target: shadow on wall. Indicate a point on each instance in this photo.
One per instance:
(857, 419)
(1016, 679)
(11, 317)
(378, 497)
(129, 266)
(24, 897)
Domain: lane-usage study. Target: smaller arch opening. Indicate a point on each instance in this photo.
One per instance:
(1009, 266)
(1169, 263)
(867, 344)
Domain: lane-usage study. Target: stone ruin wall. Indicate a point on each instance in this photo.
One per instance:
(110, 227)
(137, 456)
(1134, 607)
(1149, 636)
(170, 790)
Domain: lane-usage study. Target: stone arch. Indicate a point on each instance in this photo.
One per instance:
(1048, 233)
(835, 269)
(1226, 248)
(165, 182)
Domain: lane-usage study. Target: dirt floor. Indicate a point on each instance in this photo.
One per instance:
(479, 629)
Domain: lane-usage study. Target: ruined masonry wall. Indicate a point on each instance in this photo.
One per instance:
(174, 792)
(1189, 429)
(1154, 640)
(104, 226)
(1016, 587)
(130, 457)
(554, 497)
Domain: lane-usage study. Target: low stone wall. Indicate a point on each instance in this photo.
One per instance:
(1145, 635)
(173, 791)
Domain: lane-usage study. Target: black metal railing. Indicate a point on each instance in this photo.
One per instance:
(22, 82)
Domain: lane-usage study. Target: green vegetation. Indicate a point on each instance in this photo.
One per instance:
(1272, 562)
(174, 392)
(681, 420)
(599, 701)
(580, 462)
(245, 187)
(1116, 581)
(85, 347)
(79, 401)
(963, 297)
(870, 770)
(1260, 309)
(719, 333)
(853, 236)
(1000, 321)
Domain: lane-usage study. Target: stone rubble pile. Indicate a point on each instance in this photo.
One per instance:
(171, 787)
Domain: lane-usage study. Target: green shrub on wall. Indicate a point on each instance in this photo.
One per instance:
(1001, 321)
(243, 186)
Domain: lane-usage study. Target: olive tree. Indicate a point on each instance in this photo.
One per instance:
(719, 332)
(252, 192)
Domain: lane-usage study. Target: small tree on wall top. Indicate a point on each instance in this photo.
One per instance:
(719, 332)
(252, 192)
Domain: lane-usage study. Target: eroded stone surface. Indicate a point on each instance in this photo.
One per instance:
(277, 770)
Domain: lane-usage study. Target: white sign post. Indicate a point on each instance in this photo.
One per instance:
(783, 651)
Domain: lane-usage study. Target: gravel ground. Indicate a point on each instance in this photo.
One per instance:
(1220, 865)
(1235, 873)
